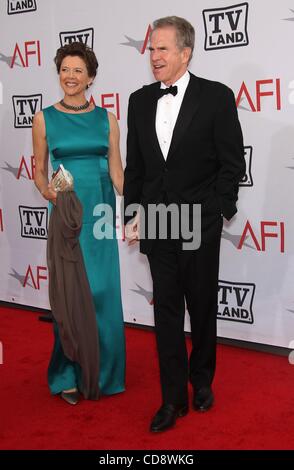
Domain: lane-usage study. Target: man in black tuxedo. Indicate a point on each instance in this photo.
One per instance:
(184, 147)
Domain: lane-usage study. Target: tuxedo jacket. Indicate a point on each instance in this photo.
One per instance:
(205, 161)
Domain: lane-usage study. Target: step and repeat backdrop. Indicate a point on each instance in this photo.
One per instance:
(249, 47)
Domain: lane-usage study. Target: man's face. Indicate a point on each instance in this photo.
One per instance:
(168, 62)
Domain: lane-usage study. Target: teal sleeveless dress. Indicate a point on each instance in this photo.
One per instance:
(80, 143)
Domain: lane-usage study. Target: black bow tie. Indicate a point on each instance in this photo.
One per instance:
(165, 91)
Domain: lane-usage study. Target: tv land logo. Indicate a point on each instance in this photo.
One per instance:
(25, 107)
(34, 222)
(235, 301)
(25, 169)
(226, 27)
(141, 44)
(85, 36)
(247, 179)
(23, 6)
(270, 87)
(32, 277)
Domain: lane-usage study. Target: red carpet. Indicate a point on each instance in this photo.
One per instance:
(254, 406)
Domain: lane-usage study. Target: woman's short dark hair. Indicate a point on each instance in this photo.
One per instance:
(81, 50)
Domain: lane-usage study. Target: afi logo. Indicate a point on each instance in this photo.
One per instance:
(269, 87)
(24, 6)
(83, 35)
(140, 44)
(259, 239)
(34, 221)
(1, 221)
(247, 179)
(109, 101)
(26, 169)
(34, 275)
(30, 48)
(226, 27)
(25, 107)
(235, 301)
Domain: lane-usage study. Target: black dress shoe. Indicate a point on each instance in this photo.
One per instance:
(203, 399)
(71, 397)
(166, 416)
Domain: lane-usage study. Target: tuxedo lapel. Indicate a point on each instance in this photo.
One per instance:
(188, 109)
(150, 114)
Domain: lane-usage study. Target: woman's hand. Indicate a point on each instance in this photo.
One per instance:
(50, 194)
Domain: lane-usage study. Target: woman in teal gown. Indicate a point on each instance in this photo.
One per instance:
(85, 139)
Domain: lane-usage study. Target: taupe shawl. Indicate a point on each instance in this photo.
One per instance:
(69, 291)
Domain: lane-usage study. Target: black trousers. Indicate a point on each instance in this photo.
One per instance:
(178, 276)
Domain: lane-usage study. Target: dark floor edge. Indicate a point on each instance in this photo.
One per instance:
(260, 347)
(24, 307)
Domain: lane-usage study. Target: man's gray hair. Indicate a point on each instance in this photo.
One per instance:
(184, 31)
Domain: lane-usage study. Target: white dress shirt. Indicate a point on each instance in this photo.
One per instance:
(168, 108)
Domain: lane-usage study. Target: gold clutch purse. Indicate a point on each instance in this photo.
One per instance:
(62, 180)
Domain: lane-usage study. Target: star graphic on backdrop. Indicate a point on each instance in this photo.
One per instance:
(234, 239)
(13, 170)
(145, 293)
(290, 167)
(7, 59)
(289, 19)
(243, 107)
(19, 277)
(133, 43)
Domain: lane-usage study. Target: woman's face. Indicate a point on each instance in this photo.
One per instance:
(74, 76)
